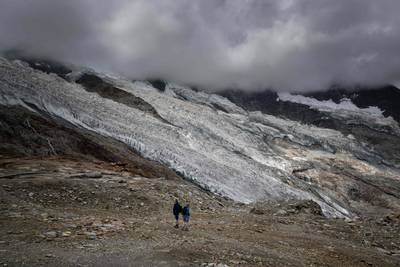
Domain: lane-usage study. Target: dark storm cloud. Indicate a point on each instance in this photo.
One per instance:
(251, 44)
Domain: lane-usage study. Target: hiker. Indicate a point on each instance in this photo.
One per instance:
(186, 217)
(176, 210)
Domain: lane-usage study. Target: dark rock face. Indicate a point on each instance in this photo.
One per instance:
(49, 66)
(266, 102)
(93, 83)
(386, 98)
(158, 84)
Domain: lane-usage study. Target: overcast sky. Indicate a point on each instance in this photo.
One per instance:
(249, 44)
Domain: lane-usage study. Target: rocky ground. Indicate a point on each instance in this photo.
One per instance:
(63, 211)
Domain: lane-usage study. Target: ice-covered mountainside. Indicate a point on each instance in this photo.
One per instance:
(329, 105)
(246, 156)
(344, 109)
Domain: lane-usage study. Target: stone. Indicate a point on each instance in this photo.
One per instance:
(91, 235)
(50, 234)
(395, 252)
(384, 251)
(94, 175)
(309, 207)
(280, 213)
(66, 234)
(257, 211)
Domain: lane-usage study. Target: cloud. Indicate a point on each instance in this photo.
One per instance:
(247, 44)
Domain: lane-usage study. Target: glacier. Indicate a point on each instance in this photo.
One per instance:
(245, 156)
(345, 109)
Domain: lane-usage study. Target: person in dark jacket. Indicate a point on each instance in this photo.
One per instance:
(186, 217)
(176, 210)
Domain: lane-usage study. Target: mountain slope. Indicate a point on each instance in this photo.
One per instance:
(25, 133)
(246, 156)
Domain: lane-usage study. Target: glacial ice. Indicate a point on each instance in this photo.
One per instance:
(230, 152)
(345, 109)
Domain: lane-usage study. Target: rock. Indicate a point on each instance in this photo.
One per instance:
(90, 235)
(89, 246)
(66, 234)
(281, 213)
(368, 234)
(391, 218)
(384, 251)
(94, 175)
(309, 207)
(214, 264)
(395, 253)
(257, 211)
(50, 234)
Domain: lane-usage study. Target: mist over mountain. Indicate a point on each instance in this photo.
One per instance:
(249, 45)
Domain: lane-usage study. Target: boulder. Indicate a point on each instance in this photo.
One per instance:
(307, 207)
